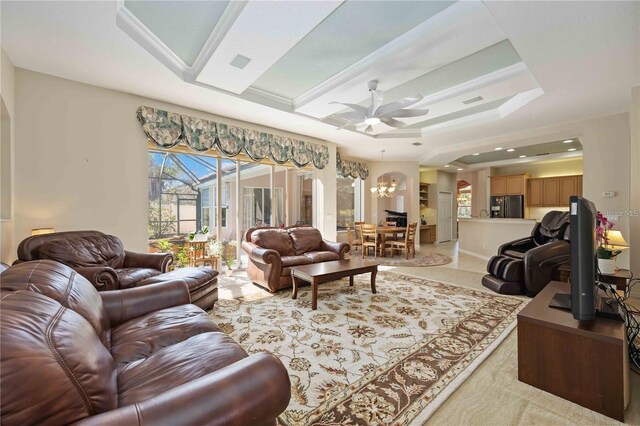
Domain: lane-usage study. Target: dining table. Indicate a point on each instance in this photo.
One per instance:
(385, 231)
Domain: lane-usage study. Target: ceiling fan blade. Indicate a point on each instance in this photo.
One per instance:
(351, 116)
(391, 122)
(362, 110)
(408, 113)
(402, 103)
(369, 129)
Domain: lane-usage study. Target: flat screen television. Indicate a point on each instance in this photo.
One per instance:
(582, 233)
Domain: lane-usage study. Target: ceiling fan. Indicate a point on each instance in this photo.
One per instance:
(377, 113)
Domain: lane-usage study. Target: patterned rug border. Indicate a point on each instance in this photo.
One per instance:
(401, 261)
(423, 408)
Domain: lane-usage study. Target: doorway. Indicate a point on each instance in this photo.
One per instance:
(445, 216)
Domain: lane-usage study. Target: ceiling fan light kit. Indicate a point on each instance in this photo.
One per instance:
(377, 113)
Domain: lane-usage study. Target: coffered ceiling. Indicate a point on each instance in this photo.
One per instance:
(484, 69)
(303, 57)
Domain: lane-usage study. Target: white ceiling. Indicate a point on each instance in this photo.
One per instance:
(535, 64)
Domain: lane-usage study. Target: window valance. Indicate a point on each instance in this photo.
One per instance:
(354, 169)
(167, 129)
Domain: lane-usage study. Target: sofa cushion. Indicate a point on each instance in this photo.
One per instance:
(71, 375)
(305, 239)
(141, 337)
(295, 261)
(105, 250)
(275, 239)
(194, 277)
(322, 256)
(64, 285)
(128, 277)
(175, 365)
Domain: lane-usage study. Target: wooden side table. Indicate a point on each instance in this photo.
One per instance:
(585, 362)
(620, 278)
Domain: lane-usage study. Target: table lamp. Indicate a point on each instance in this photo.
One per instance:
(615, 240)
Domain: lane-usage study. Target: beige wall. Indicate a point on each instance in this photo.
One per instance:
(634, 184)
(7, 122)
(567, 167)
(81, 160)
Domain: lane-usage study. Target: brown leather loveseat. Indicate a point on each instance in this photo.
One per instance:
(71, 354)
(272, 251)
(98, 257)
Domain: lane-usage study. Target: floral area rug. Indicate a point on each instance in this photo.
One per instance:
(423, 258)
(361, 358)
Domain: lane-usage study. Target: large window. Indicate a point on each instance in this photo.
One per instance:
(257, 205)
(349, 201)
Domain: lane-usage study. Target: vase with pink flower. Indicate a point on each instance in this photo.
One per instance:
(610, 244)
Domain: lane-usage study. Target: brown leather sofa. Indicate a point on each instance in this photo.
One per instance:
(272, 251)
(98, 257)
(526, 265)
(144, 355)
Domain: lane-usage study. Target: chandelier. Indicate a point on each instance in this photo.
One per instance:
(384, 189)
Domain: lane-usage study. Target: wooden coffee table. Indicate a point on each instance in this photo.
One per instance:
(329, 271)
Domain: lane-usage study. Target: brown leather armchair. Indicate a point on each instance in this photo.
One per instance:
(272, 251)
(72, 355)
(526, 265)
(98, 257)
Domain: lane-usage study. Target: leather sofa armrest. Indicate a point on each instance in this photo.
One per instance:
(261, 255)
(253, 391)
(521, 244)
(123, 305)
(158, 261)
(340, 248)
(102, 277)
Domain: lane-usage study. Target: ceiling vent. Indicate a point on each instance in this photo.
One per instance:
(240, 61)
(416, 143)
(473, 100)
(544, 153)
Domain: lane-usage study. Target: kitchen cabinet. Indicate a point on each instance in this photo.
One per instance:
(498, 185)
(550, 192)
(427, 234)
(508, 185)
(568, 187)
(515, 185)
(534, 192)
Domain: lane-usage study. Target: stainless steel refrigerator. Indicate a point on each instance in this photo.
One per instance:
(507, 206)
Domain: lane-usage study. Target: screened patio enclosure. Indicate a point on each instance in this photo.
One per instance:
(190, 191)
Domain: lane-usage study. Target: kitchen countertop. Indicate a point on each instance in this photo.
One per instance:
(496, 220)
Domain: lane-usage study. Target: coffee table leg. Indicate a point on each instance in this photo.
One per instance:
(295, 287)
(350, 280)
(373, 281)
(314, 294)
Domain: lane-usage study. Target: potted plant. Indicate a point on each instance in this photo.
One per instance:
(200, 236)
(606, 251)
(226, 251)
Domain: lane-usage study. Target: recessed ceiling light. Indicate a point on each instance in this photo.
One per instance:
(459, 169)
(568, 141)
(571, 149)
(446, 165)
(477, 153)
(497, 149)
(416, 143)
(510, 150)
(240, 61)
(522, 156)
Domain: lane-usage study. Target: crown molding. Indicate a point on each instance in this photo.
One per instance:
(131, 25)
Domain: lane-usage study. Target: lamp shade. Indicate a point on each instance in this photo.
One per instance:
(42, 231)
(616, 240)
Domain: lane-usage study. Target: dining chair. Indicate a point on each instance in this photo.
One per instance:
(369, 233)
(391, 236)
(354, 241)
(408, 245)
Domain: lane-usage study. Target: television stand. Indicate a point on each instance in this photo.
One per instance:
(585, 362)
(604, 307)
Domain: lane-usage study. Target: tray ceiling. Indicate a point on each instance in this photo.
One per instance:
(302, 57)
